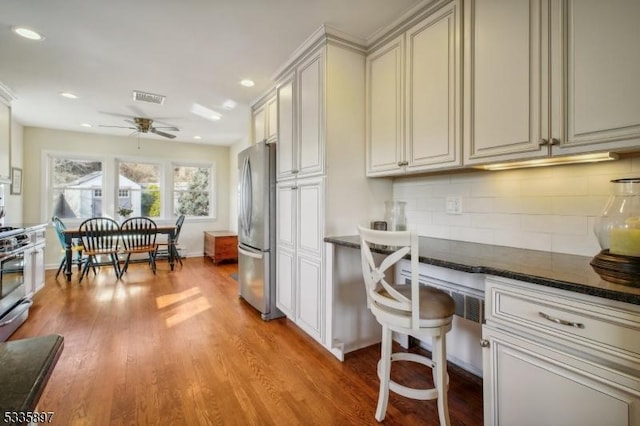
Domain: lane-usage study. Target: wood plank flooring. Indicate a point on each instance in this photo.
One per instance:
(181, 348)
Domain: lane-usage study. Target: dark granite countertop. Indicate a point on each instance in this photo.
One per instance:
(25, 367)
(563, 271)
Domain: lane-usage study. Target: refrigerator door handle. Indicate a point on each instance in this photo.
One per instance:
(250, 253)
(246, 200)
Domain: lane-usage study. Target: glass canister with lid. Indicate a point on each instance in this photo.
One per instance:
(618, 227)
(395, 215)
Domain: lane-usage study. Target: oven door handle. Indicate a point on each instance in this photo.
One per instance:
(25, 305)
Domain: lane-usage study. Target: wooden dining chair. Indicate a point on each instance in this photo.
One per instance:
(100, 239)
(411, 309)
(139, 237)
(77, 257)
(165, 250)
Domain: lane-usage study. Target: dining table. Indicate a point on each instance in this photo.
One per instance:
(70, 234)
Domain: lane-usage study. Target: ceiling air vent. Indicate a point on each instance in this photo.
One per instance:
(148, 97)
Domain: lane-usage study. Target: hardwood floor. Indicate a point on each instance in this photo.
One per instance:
(180, 348)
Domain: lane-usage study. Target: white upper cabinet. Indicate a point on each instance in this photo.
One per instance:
(300, 101)
(505, 98)
(601, 72)
(265, 120)
(414, 98)
(550, 77)
(286, 128)
(385, 72)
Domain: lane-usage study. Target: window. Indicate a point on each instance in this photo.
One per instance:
(140, 188)
(82, 187)
(192, 191)
(75, 187)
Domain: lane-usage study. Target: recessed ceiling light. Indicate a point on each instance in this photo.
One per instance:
(27, 33)
(86, 125)
(197, 137)
(247, 83)
(68, 95)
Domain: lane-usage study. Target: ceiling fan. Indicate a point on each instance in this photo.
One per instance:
(145, 125)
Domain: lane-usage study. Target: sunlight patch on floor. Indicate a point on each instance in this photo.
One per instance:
(187, 310)
(170, 299)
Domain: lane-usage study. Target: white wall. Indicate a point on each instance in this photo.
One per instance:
(37, 140)
(548, 208)
(13, 203)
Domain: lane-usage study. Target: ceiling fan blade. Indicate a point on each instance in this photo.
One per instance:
(170, 128)
(160, 133)
(115, 114)
(119, 127)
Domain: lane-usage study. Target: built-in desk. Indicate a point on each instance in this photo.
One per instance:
(557, 270)
(25, 367)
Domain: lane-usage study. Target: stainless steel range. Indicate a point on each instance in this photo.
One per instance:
(15, 297)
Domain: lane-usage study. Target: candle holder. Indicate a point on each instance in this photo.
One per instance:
(618, 232)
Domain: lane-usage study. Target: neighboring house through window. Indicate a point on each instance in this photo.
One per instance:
(77, 187)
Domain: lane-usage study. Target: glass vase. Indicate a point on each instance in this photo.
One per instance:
(618, 227)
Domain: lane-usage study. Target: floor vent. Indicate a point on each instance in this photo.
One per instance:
(148, 97)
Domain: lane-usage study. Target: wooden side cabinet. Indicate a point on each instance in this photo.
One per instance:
(221, 245)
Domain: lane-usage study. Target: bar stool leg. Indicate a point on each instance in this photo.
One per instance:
(384, 373)
(440, 377)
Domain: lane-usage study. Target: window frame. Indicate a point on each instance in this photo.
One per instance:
(110, 185)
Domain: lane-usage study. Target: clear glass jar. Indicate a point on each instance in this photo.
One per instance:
(618, 227)
(395, 215)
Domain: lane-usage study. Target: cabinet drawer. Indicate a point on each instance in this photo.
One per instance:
(606, 325)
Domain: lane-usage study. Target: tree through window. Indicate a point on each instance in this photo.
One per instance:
(191, 190)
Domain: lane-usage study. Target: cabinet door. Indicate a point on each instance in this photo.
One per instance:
(311, 116)
(38, 268)
(259, 130)
(384, 129)
(286, 128)
(433, 97)
(602, 106)
(285, 281)
(310, 194)
(528, 384)
(286, 214)
(505, 99)
(309, 296)
(272, 119)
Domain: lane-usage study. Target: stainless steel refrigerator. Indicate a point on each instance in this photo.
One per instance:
(256, 228)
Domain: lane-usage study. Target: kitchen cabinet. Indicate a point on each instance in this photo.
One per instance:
(413, 104)
(549, 78)
(5, 137)
(301, 104)
(558, 357)
(320, 139)
(265, 119)
(299, 252)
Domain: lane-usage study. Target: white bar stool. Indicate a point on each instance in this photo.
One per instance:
(415, 310)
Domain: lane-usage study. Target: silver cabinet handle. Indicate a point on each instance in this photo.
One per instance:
(543, 142)
(555, 141)
(403, 163)
(295, 171)
(561, 321)
(19, 310)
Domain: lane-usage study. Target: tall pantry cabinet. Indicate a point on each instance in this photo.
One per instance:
(322, 188)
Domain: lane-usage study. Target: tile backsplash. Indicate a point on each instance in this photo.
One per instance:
(546, 208)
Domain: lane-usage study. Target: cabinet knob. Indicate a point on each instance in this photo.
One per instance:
(544, 142)
(555, 141)
(484, 343)
(403, 163)
(294, 171)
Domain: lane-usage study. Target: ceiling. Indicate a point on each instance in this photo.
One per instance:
(191, 51)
